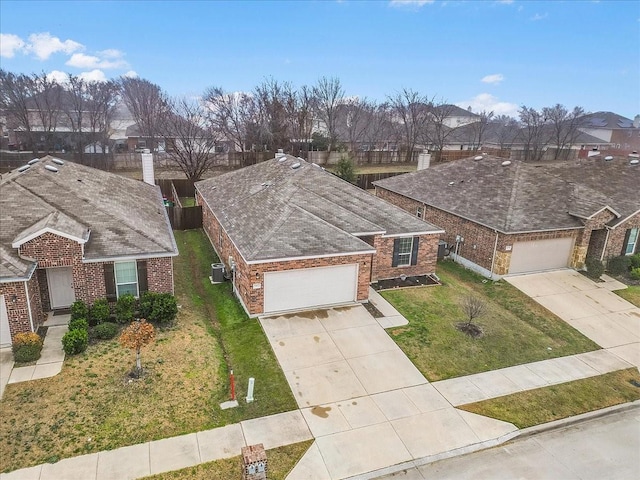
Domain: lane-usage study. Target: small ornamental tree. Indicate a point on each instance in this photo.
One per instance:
(137, 335)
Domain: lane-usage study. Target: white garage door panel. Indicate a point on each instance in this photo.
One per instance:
(540, 255)
(310, 287)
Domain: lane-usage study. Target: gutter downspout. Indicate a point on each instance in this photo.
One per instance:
(606, 242)
(26, 291)
(493, 258)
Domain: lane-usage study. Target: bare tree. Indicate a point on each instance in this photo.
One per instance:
(102, 100)
(148, 104)
(473, 307)
(192, 137)
(410, 113)
(231, 114)
(271, 97)
(480, 127)
(299, 107)
(15, 94)
(329, 94)
(357, 115)
(74, 106)
(565, 127)
(47, 104)
(535, 133)
(506, 130)
(439, 133)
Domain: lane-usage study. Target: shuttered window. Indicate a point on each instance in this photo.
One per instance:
(121, 278)
(630, 244)
(405, 251)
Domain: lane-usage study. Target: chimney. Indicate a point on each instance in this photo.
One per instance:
(424, 160)
(147, 169)
(280, 153)
(636, 121)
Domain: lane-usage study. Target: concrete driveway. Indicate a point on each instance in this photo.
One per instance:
(591, 308)
(366, 404)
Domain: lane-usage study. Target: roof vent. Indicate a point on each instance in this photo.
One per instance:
(608, 158)
(452, 183)
(316, 165)
(24, 167)
(57, 161)
(479, 157)
(51, 168)
(635, 161)
(300, 158)
(280, 150)
(634, 154)
(295, 165)
(506, 163)
(282, 159)
(31, 162)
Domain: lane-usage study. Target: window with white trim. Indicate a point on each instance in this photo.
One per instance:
(126, 274)
(632, 241)
(405, 246)
(419, 212)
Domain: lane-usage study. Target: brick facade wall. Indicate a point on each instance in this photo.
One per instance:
(617, 236)
(247, 275)
(382, 260)
(18, 310)
(160, 275)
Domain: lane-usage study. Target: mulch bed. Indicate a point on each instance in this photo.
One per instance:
(399, 282)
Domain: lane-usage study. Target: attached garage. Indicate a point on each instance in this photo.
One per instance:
(310, 287)
(539, 255)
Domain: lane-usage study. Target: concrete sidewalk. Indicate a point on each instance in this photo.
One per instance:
(173, 453)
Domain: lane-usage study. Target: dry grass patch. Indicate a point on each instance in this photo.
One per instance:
(280, 460)
(542, 405)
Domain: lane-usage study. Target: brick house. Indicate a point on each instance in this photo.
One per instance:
(513, 217)
(299, 237)
(71, 232)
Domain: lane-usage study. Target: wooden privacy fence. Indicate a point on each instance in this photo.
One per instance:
(181, 218)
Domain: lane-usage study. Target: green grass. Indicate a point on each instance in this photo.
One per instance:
(516, 329)
(631, 294)
(280, 462)
(188, 201)
(244, 346)
(542, 405)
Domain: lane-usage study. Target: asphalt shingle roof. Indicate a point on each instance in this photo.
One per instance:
(524, 197)
(120, 217)
(271, 210)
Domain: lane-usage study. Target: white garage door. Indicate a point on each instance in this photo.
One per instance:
(310, 287)
(540, 255)
(5, 333)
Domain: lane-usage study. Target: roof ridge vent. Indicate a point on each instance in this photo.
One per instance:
(24, 167)
(506, 163)
(479, 157)
(608, 158)
(31, 162)
(634, 154)
(51, 168)
(296, 165)
(281, 158)
(57, 161)
(635, 161)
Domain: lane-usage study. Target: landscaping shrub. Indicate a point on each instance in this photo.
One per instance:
(27, 347)
(160, 308)
(79, 309)
(79, 324)
(125, 308)
(99, 312)
(75, 341)
(635, 260)
(595, 269)
(635, 273)
(619, 265)
(105, 331)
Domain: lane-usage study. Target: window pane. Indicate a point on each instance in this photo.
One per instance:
(126, 272)
(633, 239)
(131, 288)
(404, 251)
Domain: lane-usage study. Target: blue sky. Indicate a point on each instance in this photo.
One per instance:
(493, 55)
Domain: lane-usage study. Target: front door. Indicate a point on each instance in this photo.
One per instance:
(61, 291)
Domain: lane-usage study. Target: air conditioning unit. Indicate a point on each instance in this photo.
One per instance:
(217, 272)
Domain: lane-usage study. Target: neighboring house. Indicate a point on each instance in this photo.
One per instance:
(455, 116)
(504, 218)
(71, 232)
(299, 237)
(623, 133)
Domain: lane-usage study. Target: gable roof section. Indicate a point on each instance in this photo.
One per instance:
(272, 211)
(14, 268)
(116, 217)
(524, 197)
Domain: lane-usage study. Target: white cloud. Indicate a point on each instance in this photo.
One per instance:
(494, 79)
(539, 16)
(111, 53)
(489, 103)
(10, 44)
(80, 60)
(93, 76)
(43, 45)
(58, 76)
(131, 74)
(505, 2)
(410, 3)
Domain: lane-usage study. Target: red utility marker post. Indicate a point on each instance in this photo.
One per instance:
(233, 386)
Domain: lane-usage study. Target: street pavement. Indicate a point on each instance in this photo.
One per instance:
(605, 447)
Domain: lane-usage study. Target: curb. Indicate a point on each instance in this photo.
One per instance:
(517, 435)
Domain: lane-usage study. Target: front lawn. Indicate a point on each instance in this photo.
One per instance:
(630, 294)
(516, 329)
(542, 405)
(93, 405)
